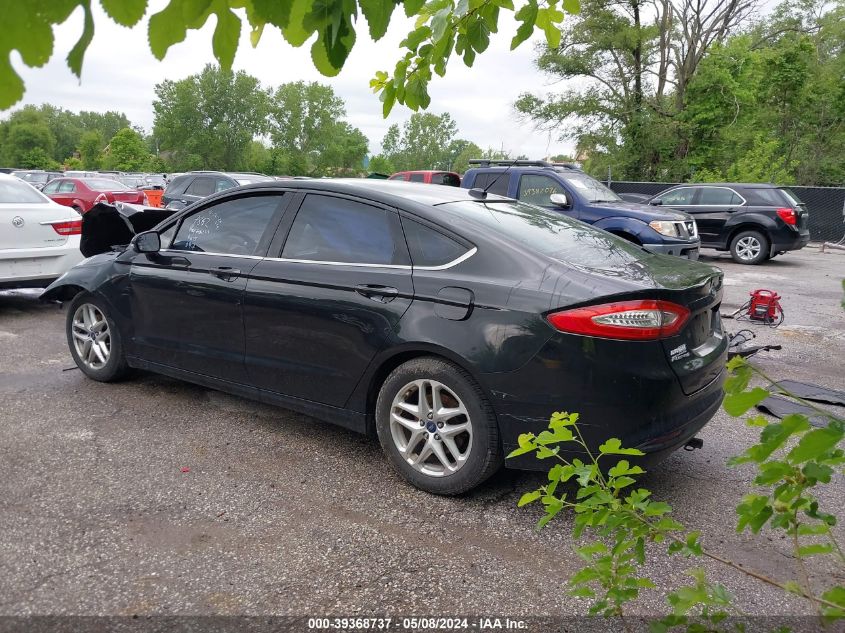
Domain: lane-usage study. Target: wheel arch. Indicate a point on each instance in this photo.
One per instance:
(366, 393)
(747, 226)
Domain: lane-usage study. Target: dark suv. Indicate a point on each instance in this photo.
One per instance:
(187, 188)
(752, 221)
(566, 189)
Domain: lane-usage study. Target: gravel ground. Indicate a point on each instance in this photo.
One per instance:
(279, 514)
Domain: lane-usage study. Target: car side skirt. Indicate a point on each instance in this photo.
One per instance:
(345, 418)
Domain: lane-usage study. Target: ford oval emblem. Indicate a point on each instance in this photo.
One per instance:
(17, 222)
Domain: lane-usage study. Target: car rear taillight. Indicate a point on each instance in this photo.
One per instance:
(101, 198)
(627, 320)
(71, 227)
(145, 201)
(788, 215)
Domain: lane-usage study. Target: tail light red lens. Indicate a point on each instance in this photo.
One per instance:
(101, 198)
(71, 227)
(788, 215)
(626, 320)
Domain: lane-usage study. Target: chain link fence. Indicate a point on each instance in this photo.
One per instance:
(826, 206)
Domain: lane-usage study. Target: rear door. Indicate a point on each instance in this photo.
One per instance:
(330, 299)
(187, 299)
(713, 209)
(64, 192)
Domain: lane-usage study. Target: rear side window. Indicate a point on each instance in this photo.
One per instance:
(232, 227)
(417, 178)
(202, 186)
(51, 187)
(397, 177)
(445, 179)
(177, 185)
(718, 196)
(430, 247)
(682, 196)
(498, 179)
(768, 197)
(329, 229)
(67, 186)
(536, 189)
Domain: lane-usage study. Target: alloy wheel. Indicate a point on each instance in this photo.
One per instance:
(431, 428)
(91, 336)
(748, 247)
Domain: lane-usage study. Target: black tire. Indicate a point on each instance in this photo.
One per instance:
(115, 367)
(484, 454)
(745, 244)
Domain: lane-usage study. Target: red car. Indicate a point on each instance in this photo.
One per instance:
(84, 193)
(429, 176)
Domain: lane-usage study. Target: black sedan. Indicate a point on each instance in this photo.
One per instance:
(444, 321)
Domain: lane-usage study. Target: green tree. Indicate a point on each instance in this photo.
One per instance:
(127, 151)
(381, 165)
(307, 127)
(24, 132)
(208, 120)
(422, 143)
(461, 161)
(90, 146)
(442, 27)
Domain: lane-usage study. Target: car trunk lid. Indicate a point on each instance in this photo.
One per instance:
(30, 225)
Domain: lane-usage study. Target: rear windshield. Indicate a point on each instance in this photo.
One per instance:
(16, 192)
(104, 184)
(550, 233)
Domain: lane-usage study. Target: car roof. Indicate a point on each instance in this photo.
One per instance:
(745, 185)
(391, 192)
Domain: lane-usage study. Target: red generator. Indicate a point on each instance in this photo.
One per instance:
(764, 306)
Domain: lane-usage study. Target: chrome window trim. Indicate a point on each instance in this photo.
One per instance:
(734, 191)
(445, 266)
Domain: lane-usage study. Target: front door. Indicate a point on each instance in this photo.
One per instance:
(187, 299)
(331, 299)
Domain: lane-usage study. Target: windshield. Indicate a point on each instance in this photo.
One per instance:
(589, 187)
(104, 184)
(793, 199)
(17, 192)
(550, 233)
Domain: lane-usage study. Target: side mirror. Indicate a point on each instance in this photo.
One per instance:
(559, 199)
(147, 242)
(656, 202)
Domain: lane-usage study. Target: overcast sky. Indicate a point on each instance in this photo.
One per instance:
(120, 74)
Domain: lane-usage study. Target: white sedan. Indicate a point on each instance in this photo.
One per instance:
(39, 239)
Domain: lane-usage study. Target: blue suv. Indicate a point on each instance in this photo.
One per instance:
(565, 188)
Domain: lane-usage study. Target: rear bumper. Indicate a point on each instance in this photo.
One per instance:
(619, 389)
(790, 243)
(37, 267)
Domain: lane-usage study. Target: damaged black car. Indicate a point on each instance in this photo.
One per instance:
(444, 322)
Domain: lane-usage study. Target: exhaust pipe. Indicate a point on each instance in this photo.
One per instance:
(694, 443)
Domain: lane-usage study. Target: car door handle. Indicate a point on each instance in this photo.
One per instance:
(226, 273)
(377, 293)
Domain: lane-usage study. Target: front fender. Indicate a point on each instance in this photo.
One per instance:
(87, 275)
(632, 227)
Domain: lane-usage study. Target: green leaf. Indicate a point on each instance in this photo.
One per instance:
(320, 57)
(572, 6)
(529, 497)
(560, 419)
(378, 15)
(478, 34)
(224, 42)
(613, 446)
(586, 574)
(736, 404)
(275, 12)
(125, 12)
(582, 592)
(77, 53)
(527, 15)
(815, 548)
(815, 443)
(412, 7)
(813, 530)
(296, 32)
(170, 25)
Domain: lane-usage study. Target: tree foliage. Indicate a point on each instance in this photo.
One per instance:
(442, 28)
(127, 151)
(423, 142)
(696, 90)
(208, 120)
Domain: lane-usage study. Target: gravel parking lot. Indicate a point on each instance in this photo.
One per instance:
(159, 497)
